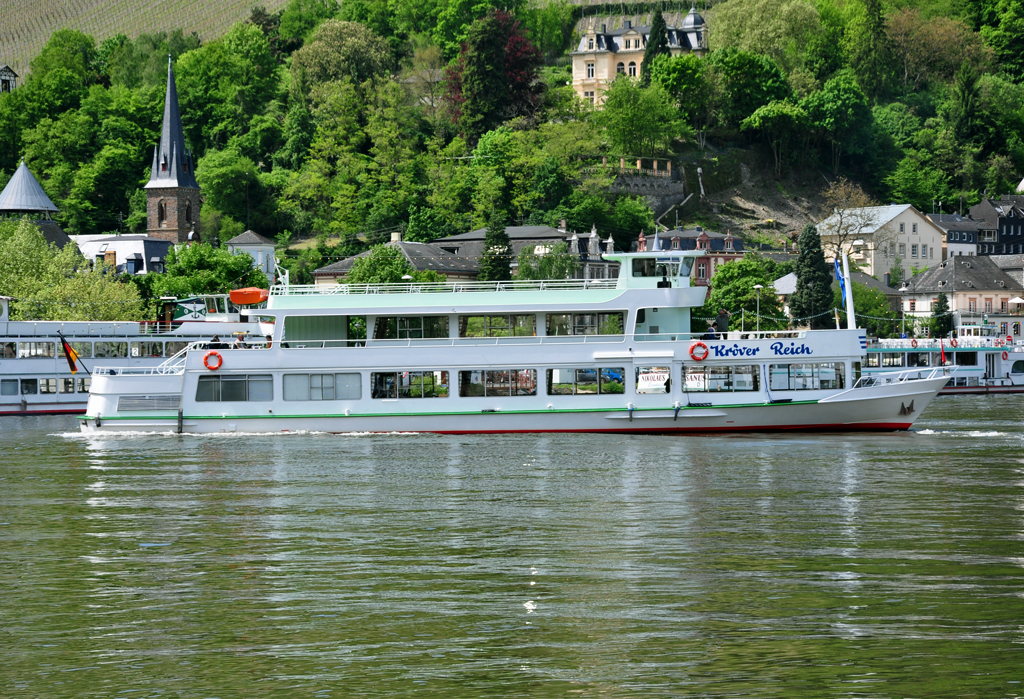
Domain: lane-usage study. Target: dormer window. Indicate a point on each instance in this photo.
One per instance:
(590, 44)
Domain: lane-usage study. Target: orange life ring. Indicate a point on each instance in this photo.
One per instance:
(913, 343)
(952, 343)
(1006, 355)
(699, 346)
(206, 360)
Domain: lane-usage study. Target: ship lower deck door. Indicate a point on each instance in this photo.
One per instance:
(990, 364)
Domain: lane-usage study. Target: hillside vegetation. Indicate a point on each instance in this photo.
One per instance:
(344, 123)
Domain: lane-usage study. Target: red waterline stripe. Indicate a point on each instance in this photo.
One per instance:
(70, 411)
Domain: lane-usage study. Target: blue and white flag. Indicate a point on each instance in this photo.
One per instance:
(842, 282)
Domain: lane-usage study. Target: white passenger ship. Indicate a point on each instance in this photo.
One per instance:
(983, 359)
(35, 378)
(614, 355)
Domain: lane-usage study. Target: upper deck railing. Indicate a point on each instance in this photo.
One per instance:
(927, 343)
(443, 287)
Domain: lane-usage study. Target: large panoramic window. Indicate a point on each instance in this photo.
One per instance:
(585, 323)
(8, 350)
(410, 327)
(409, 384)
(807, 377)
(84, 349)
(498, 382)
(8, 387)
(322, 387)
(35, 349)
(581, 382)
(498, 326)
(110, 349)
(744, 377)
(653, 379)
(147, 349)
(235, 388)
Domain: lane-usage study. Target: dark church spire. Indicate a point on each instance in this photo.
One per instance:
(172, 162)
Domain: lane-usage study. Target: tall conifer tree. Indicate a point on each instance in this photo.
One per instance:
(657, 45)
(813, 294)
(496, 265)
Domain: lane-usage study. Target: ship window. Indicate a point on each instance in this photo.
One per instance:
(890, 359)
(8, 350)
(873, 360)
(236, 388)
(568, 382)
(1018, 367)
(558, 324)
(47, 386)
(409, 384)
(807, 377)
(84, 384)
(8, 387)
(84, 349)
(174, 347)
(966, 359)
(110, 349)
(651, 267)
(147, 349)
(410, 327)
(498, 326)
(498, 382)
(653, 379)
(322, 387)
(29, 387)
(745, 377)
(67, 385)
(35, 349)
(918, 359)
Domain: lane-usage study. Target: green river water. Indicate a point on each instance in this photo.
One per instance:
(788, 565)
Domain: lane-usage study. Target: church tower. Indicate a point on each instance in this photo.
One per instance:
(172, 194)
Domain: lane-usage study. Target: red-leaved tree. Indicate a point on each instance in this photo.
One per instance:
(495, 76)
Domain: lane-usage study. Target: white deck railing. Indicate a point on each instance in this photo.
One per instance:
(891, 377)
(926, 343)
(443, 287)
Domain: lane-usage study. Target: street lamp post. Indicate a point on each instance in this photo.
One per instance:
(757, 288)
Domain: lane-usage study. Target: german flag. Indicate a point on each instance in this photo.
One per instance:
(71, 355)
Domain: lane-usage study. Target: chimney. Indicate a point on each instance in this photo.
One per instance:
(561, 225)
(629, 24)
(110, 258)
(396, 236)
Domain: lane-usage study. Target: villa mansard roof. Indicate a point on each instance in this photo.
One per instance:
(963, 274)
(691, 35)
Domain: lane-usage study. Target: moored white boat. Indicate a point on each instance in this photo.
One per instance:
(614, 355)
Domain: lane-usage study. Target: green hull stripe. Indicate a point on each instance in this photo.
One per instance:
(456, 413)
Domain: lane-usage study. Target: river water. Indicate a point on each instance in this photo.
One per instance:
(516, 566)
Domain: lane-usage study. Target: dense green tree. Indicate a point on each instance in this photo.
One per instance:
(777, 29)
(1007, 37)
(874, 312)
(839, 113)
(779, 123)
(496, 263)
(749, 81)
(870, 50)
(557, 263)
(732, 288)
(386, 264)
(896, 272)
(300, 17)
(640, 121)
(70, 50)
(427, 224)
(455, 19)
(657, 45)
(941, 322)
(340, 50)
(813, 295)
(203, 269)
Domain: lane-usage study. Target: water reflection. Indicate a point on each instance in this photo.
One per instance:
(758, 565)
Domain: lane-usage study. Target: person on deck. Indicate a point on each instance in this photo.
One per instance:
(712, 333)
(270, 341)
(723, 321)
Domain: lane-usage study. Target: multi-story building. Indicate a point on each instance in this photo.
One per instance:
(720, 248)
(960, 234)
(875, 236)
(1003, 229)
(973, 286)
(602, 54)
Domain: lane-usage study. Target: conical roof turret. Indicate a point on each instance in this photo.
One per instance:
(172, 161)
(24, 195)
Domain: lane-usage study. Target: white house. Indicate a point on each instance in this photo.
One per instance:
(874, 236)
(260, 249)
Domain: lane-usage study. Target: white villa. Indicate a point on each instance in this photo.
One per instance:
(874, 236)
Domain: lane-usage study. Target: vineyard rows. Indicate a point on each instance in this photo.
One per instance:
(26, 28)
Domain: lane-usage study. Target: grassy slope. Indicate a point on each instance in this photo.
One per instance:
(27, 26)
